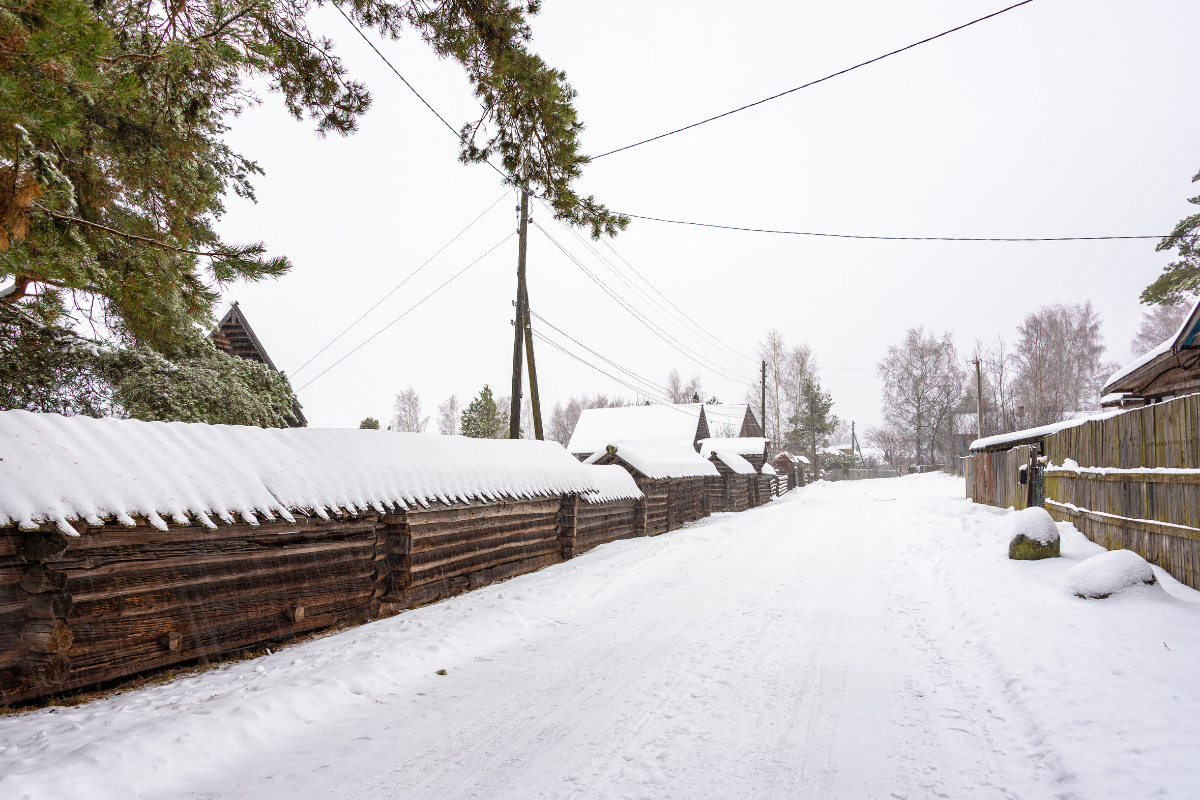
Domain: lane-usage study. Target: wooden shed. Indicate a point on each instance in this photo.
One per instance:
(233, 335)
(667, 424)
(735, 420)
(129, 545)
(754, 450)
(673, 480)
(791, 466)
(733, 487)
(616, 510)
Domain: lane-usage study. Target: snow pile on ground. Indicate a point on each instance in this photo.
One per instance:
(613, 483)
(57, 469)
(1035, 524)
(1109, 573)
(743, 446)
(659, 461)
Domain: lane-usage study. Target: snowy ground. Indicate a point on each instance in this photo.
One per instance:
(851, 640)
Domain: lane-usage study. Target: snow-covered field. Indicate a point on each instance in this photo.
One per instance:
(851, 640)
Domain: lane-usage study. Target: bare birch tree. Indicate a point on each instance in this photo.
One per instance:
(680, 392)
(406, 413)
(1058, 363)
(449, 412)
(923, 383)
(1158, 324)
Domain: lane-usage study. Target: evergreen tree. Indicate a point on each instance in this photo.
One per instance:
(481, 419)
(1180, 279)
(113, 164)
(812, 420)
(370, 424)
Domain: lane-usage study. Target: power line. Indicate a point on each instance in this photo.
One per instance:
(371, 44)
(641, 318)
(586, 363)
(657, 389)
(667, 315)
(411, 308)
(896, 238)
(398, 285)
(813, 83)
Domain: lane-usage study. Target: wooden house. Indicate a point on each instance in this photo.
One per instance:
(1170, 370)
(734, 486)
(754, 450)
(667, 424)
(671, 477)
(791, 465)
(233, 335)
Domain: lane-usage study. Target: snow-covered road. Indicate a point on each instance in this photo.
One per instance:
(851, 640)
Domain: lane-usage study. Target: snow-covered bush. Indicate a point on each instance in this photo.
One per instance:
(1034, 535)
(1109, 573)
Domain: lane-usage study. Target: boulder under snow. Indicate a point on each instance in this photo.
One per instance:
(1035, 535)
(1109, 573)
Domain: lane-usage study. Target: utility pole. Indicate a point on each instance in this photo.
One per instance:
(978, 400)
(534, 397)
(764, 398)
(514, 417)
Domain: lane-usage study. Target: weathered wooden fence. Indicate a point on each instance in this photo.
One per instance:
(1131, 481)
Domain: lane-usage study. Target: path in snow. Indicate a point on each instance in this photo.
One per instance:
(851, 640)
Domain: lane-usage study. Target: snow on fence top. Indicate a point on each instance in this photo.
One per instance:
(659, 461)
(659, 424)
(614, 483)
(743, 446)
(58, 469)
(1033, 434)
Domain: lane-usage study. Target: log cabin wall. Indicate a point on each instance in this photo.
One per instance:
(448, 549)
(657, 504)
(729, 491)
(689, 501)
(117, 601)
(598, 523)
(762, 489)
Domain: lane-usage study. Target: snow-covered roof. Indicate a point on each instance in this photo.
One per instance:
(1033, 434)
(1188, 335)
(57, 469)
(670, 424)
(768, 470)
(658, 461)
(725, 419)
(613, 482)
(735, 462)
(792, 457)
(747, 446)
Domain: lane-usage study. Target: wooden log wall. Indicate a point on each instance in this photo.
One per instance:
(598, 523)
(446, 550)
(117, 601)
(762, 489)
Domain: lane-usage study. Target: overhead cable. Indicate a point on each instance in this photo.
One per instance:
(666, 314)
(412, 308)
(895, 238)
(398, 285)
(813, 83)
(682, 348)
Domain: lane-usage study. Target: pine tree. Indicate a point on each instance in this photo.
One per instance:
(370, 424)
(481, 419)
(812, 420)
(1180, 279)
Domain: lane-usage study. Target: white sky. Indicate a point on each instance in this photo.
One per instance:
(1060, 118)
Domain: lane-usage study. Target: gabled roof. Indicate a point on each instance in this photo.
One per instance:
(234, 336)
(675, 424)
(735, 462)
(657, 461)
(734, 419)
(1139, 374)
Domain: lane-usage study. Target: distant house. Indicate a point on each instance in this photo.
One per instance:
(233, 335)
(1170, 370)
(791, 465)
(736, 420)
(675, 425)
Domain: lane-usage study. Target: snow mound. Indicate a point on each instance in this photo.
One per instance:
(614, 482)
(1035, 524)
(58, 469)
(1109, 573)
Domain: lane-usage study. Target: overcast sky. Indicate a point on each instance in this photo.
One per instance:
(1060, 118)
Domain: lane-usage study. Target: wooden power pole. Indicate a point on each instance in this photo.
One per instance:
(978, 400)
(523, 336)
(764, 398)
